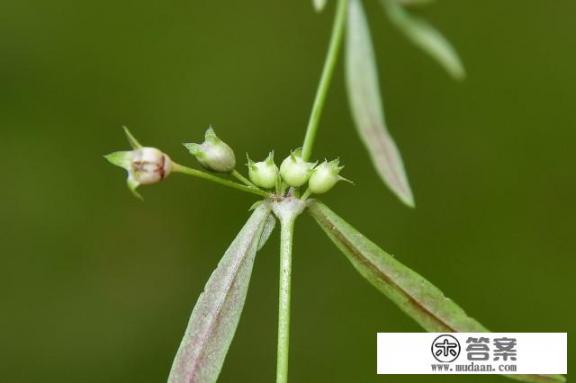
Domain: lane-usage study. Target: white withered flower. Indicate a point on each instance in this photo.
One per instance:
(144, 165)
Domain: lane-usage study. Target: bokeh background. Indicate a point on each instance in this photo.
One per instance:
(96, 286)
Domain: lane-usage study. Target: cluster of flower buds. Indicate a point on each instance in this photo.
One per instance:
(146, 165)
(295, 172)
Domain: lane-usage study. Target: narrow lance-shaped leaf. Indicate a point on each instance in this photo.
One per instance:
(366, 104)
(269, 226)
(416, 296)
(215, 317)
(426, 37)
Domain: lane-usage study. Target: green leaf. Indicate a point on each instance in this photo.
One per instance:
(269, 226)
(366, 105)
(319, 4)
(426, 37)
(215, 317)
(416, 296)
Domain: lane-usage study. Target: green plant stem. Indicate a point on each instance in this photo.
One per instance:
(327, 74)
(210, 177)
(287, 219)
(235, 173)
(286, 236)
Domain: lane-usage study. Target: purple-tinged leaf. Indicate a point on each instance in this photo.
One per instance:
(366, 105)
(215, 317)
(415, 295)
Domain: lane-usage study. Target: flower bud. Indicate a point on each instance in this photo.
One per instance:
(213, 153)
(144, 165)
(294, 170)
(325, 176)
(150, 165)
(265, 173)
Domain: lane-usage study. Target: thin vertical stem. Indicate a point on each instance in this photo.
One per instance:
(286, 236)
(327, 74)
(287, 220)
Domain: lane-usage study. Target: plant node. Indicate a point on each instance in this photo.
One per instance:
(288, 208)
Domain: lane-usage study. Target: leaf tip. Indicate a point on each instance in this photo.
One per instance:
(319, 5)
(409, 201)
(457, 70)
(405, 195)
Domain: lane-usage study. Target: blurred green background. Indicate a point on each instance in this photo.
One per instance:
(96, 286)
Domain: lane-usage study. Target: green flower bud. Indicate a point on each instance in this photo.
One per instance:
(144, 165)
(265, 173)
(294, 170)
(213, 153)
(325, 176)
